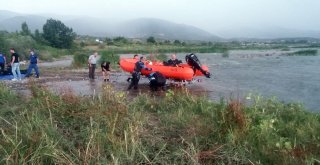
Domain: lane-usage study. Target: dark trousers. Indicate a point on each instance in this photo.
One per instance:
(154, 85)
(32, 66)
(92, 69)
(134, 81)
(2, 68)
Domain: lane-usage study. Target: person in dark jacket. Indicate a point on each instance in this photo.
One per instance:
(105, 66)
(173, 61)
(139, 65)
(136, 57)
(157, 80)
(33, 64)
(15, 65)
(2, 63)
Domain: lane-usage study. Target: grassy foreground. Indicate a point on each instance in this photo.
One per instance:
(177, 129)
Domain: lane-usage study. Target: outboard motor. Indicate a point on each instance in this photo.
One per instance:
(193, 61)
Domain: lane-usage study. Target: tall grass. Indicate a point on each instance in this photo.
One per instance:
(176, 128)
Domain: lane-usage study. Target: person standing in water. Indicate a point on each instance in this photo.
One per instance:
(92, 62)
(136, 57)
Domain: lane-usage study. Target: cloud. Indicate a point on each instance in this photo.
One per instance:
(210, 15)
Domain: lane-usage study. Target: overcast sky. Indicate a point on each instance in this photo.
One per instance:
(210, 15)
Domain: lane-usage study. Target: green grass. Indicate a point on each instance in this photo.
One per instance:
(175, 128)
(158, 49)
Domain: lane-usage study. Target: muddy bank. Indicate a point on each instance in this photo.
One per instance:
(247, 72)
(61, 81)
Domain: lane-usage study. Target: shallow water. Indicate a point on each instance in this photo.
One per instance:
(265, 73)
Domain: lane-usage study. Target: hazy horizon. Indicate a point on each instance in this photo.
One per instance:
(214, 16)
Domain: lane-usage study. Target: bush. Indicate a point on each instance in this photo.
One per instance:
(22, 44)
(109, 56)
(80, 60)
(173, 128)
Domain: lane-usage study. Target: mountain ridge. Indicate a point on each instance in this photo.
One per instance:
(136, 28)
(146, 27)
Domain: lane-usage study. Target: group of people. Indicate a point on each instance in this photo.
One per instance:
(156, 78)
(14, 63)
(105, 67)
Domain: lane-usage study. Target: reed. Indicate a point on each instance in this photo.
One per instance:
(174, 128)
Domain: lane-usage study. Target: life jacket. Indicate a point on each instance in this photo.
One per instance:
(138, 66)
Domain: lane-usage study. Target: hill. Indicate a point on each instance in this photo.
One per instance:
(138, 28)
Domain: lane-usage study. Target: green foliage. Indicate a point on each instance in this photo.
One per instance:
(176, 42)
(82, 44)
(151, 40)
(120, 40)
(47, 53)
(167, 42)
(3, 43)
(21, 43)
(38, 37)
(57, 34)
(80, 59)
(174, 128)
(108, 56)
(25, 29)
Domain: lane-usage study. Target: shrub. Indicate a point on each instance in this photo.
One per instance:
(80, 60)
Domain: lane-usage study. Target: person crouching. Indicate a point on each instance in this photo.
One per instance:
(105, 66)
(157, 80)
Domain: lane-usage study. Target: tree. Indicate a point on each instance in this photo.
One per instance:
(151, 40)
(120, 40)
(3, 44)
(167, 42)
(108, 41)
(25, 29)
(37, 36)
(57, 34)
(176, 42)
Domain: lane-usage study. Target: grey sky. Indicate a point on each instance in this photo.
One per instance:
(210, 15)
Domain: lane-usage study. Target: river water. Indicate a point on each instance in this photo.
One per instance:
(265, 73)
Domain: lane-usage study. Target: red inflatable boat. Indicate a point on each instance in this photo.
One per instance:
(181, 72)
